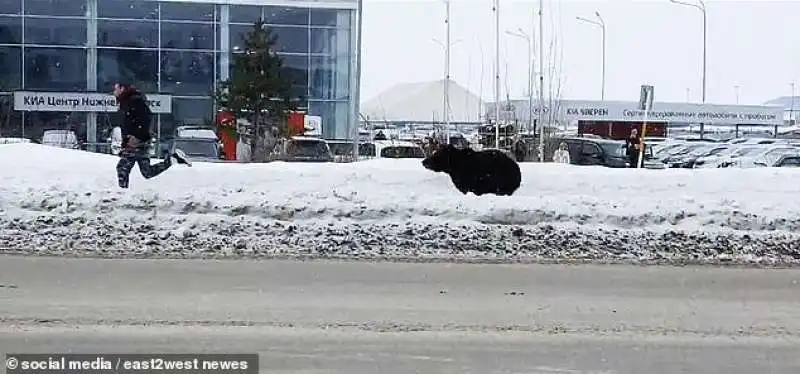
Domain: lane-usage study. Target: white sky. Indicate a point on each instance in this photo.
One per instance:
(752, 44)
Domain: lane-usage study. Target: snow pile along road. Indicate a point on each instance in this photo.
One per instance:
(64, 202)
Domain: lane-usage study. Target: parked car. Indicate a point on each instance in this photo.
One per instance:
(676, 154)
(188, 132)
(305, 149)
(590, 151)
(198, 132)
(60, 138)
(14, 140)
(742, 152)
(767, 158)
(394, 149)
(688, 160)
(198, 149)
(787, 161)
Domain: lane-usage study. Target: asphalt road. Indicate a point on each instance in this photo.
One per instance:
(337, 317)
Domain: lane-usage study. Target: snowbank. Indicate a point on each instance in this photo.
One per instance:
(59, 201)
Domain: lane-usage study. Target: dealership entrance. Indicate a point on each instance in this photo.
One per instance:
(91, 116)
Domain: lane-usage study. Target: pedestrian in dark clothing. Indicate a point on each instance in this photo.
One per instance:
(633, 148)
(136, 136)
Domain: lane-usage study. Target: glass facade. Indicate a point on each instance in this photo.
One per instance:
(182, 49)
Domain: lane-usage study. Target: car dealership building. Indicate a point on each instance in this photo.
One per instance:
(60, 58)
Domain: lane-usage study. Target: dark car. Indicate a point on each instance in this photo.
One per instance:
(788, 161)
(590, 151)
(306, 149)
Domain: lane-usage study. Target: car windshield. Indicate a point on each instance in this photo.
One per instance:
(402, 152)
(307, 148)
(198, 148)
(664, 150)
(790, 162)
(744, 151)
(197, 133)
(772, 156)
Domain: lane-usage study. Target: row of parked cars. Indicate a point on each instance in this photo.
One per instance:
(662, 153)
(739, 152)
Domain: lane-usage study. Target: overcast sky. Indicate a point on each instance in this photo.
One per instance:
(751, 44)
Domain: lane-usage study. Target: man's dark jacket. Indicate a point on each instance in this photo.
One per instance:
(136, 116)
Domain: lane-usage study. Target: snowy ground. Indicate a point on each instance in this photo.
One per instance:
(63, 202)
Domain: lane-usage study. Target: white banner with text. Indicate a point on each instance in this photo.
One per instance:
(30, 101)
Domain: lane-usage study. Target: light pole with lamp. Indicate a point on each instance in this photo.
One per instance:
(701, 5)
(602, 24)
(521, 34)
(496, 10)
(446, 94)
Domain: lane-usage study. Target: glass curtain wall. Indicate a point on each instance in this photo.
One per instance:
(43, 48)
(315, 46)
(163, 47)
(10, 66)
(176, 48)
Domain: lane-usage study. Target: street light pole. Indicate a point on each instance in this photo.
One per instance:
(602, 24)
(497, 74)
(447, 74)
(529, 40)
(541, 81)
(701, 5)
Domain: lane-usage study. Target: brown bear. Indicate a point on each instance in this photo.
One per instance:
(490, 171)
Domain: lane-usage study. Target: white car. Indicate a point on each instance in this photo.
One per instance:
(740, 153)
(768, 158)
(195, 132)
(61, 139)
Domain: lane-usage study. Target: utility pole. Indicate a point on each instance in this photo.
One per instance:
(447, 73)
(541, 81)
(497, 74)
(529, 39)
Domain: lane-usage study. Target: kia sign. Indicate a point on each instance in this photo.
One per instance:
(81, 102)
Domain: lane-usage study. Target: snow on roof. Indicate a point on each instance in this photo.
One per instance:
(422, 101)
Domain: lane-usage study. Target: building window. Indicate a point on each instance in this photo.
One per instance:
(131, 34)
(10, 68)
(334, 116)
(127, 9)
(288, 39)
(11, 7)
(330, 77)
(330, 42)
(139, 67)
(187, 73)
(36, 123)
(55, 31)
(55, 69)
(187, 111)
(187, 12)
(10, 119)
(187, 36)
(295, 68)
(278, 15)
(10, 30)
(331, 17)
(244, 14)
(64, 8)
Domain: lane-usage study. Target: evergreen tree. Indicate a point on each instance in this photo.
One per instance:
(258, 89)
